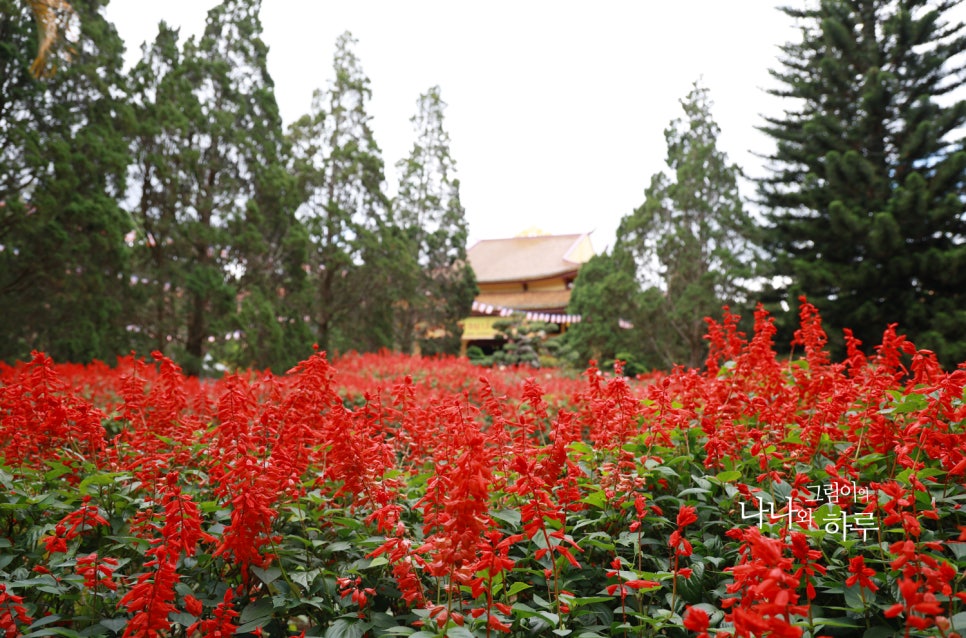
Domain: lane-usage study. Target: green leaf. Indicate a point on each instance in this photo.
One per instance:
(551, 618)
(958, 548)
(183, 618)
(589, 600)
(57, 470)
(345, 628)
(116, 625)
(103, 478)
(728, 476)
(837, 622)
(350, 523)
(581, 447)
(52, 631)
(47, 620)
(693, 490)
(304, 578)
(508, 516)
(267, 576)
(879, 631)
(596, 499)
(257, 612)
(911, 403)
(518, 587)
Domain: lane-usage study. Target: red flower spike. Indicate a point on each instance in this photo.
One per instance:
(222, 622)
(492, 622)
(12, 612)
(697, 620)
(193, 606)
(861, 574)
(97, 572)
(686, 515)
(150, 600)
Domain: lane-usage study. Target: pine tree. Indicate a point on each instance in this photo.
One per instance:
(22, 102)
(355, 255)
(219, 245)
(605, 293)
(63, 264)
(268, 246)
(691, 237)
(434, 225)
(865, 196)
(168, 116)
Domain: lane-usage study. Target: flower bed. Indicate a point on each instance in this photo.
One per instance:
(388, 496)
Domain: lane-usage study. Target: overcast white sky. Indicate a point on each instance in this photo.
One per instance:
(556, 108)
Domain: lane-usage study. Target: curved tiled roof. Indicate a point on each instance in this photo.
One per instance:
(525, 258)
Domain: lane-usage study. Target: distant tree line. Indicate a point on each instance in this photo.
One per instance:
(862, 210)
(167, 208)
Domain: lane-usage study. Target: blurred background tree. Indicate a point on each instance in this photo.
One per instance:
(605, 293)
(429, 211)
(358, 262)
(63, 163)
(865, 200)
(691, 240)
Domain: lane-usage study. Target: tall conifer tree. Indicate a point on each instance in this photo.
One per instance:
(693, 229)
(865, 197)
(168, 116)
(219, 241)
(64, 155)
(355, 255)
(434, 225)
(267, 245)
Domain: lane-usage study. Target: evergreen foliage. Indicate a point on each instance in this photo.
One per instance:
(64, 156)
(243, 245)
(168, 116)
(525, 342)
(865, 193)
(267, 246)
(691, 239)
(356, 257)
(434, 227)
(219, 247)
(606, 290)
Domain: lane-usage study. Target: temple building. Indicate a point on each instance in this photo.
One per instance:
(531, 274)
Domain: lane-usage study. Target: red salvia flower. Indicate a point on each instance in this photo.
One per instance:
(193, 606)
(681, 546)
(12, 612)
(697, 620)
(151, 599)
(56, 542)
(221, 624)
(182, 519)
(97, 571)
(861, 574)
(806, 558)
(492, 622)
(82, 520)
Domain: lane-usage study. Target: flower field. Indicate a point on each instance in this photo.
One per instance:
(381, 495)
